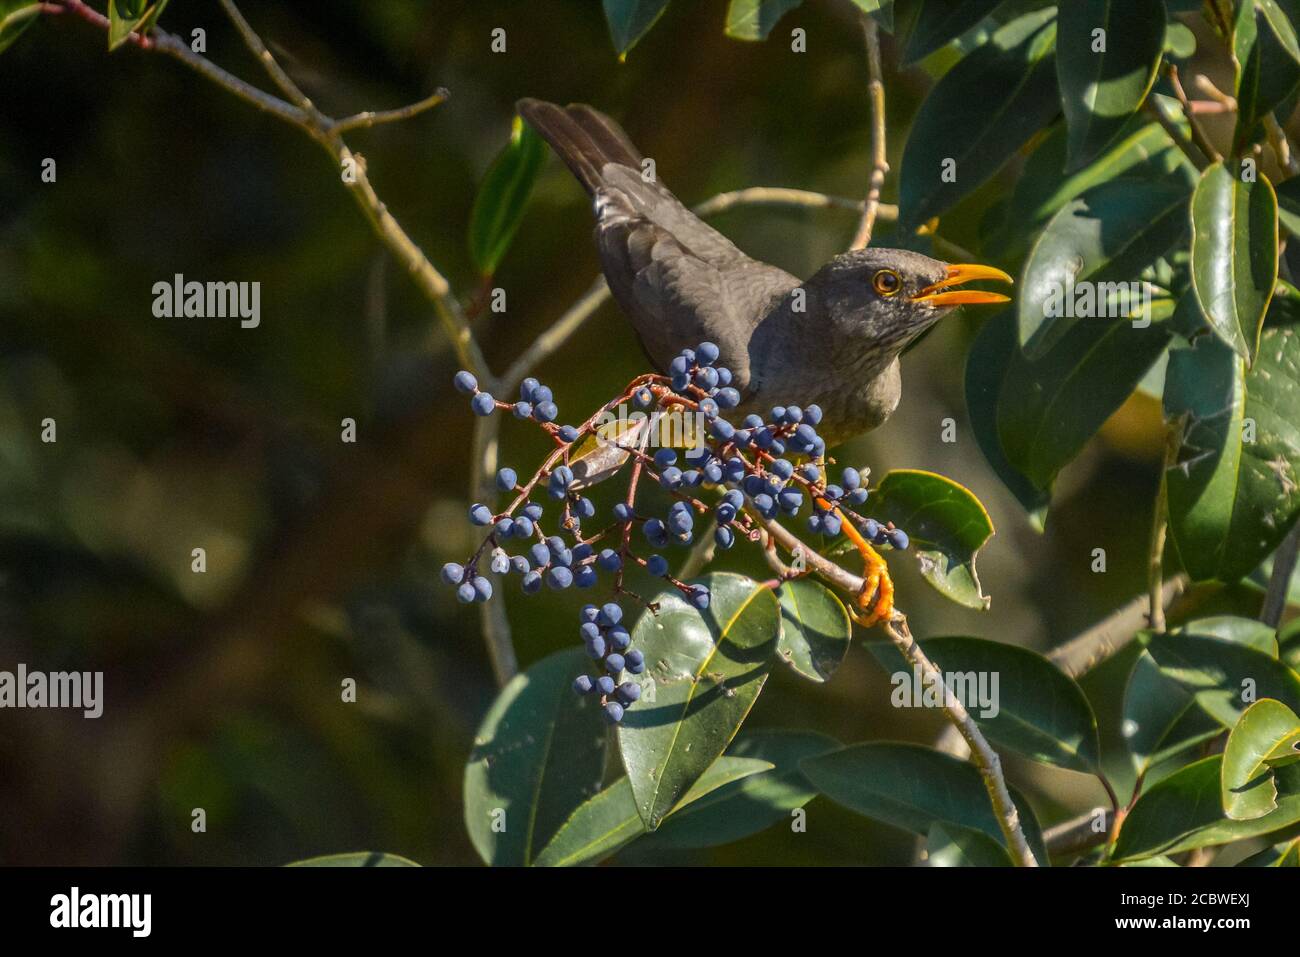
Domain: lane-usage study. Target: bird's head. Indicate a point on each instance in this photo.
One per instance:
(890, 296)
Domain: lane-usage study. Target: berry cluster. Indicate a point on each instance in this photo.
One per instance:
(766, 468)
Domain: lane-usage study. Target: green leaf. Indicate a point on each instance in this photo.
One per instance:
(957, 141)
(1161, 717)
(815, 629)
(1266, 737)
(630, 20)
(357, 859)
(881, 10)
(1240, 631)
(1233, 492)
(1049, 408)
(947, 526)
(741, 808)
(1225, 677)
(15, 17)
(1281, 26)
(1034, 707)
(754, 19)
(1234, 255)
(948, 845)
(503, 197)
(1102, 89)
(914, 787)
(987, 361)
(1286, 854)
(1266, 73)
(1183, 811)
(609, 821)
(704, 671)
(124, 18)
(1288, 205)
(1143, 151)
(1108, 235)
(938, 22)
(538, 754)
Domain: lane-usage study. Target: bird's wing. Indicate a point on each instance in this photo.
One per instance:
(679, 280)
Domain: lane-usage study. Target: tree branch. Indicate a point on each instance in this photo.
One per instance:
(879, 155)
(1103, 640)
(982, 754)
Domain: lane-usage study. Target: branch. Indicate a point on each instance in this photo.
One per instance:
(1110, 635)
(259, 50)
(879, 156)
(983, 756)
(1198, 135)
(1159, 529)
(369, 118)
(1175, 133)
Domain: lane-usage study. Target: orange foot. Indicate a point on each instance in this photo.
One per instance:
(875, 603)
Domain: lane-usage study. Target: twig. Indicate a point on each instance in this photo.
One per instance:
(1203, 83)
(1198, 135)
(492, 614)
(1159, 529)
(982, 754)
(1103, 640)
(1280, 144)
(879, 155)
(1078, 834)
(1279, 582)
(1175, 133)
(263, 55)
(361, 121)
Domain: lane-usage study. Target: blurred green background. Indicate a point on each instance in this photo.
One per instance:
(223, 689)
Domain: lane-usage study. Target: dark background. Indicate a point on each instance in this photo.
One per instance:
(223, 689)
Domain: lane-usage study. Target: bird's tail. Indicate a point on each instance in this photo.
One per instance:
(584, 138)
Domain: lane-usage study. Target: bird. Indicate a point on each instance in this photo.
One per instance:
(833, 339)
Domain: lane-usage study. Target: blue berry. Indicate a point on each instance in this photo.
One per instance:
(609, 560)
(541, 393)
(724, 536)
(545, 411)
(857, 496)
(722, 429)
(500, 563)
(628, 692)
(452, 573)
(466, 593)
(585, 577)
(782, 469)
(831, 525)
(505, 526)
(724, 375)
(898, 538)
(681, 382)
(483, 404)
(777, 414)
(871, 529)
(596, 647)
(605, 684)
(480, 514)
(465, 382)
(707, 379)
(568, 433)
(725, 512)
(523, 527)
(584, 507)
(815, 522)
(507, 479)
(789, 501)
(657, 565)
(540, 554)
(482, 589)
(753, 421)
(611, 613)
(678, 366)
(612, 712)
(532, 583)
(793, 415)
(813, 415)
(533, 511)
(671, 477)
(655, 532)
(712, 473)
(634, 661)
(680, 522)
(614, 663)
(699, 597)
(709, 408)
(558, 577)
(619, 638)
(735, 499)
(706, 353)
(623, 512)
(806, 433)
(727, 397)
(522, 410)
(665, 458)
(527, 388)
(588, 613)
(583, 685)
(519, 564)
(643, 397)
(851, 479)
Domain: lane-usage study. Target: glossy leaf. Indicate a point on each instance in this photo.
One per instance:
(15, 17)
(128, 16)
(1266, 737)
(538, 754)
(609, 821)
(1266, 73)
(1102, 88)
(1234, 255)
(815, 629)
(1183, 811)
(1035, 708)
(1234, 492)
(914, 787)
(752, 804)
(754, 19)
(1225, 677)
(958, 141)
(1236, 629)
(947, 526)
(1161, 717)
(1280, 23)
(987, 361)
(948, 845)
(706, 670)
(937, 22)
(503, 197)
(1288, 204)
(630, 20)
(357, 859)
(1107, 235)
(1279, 855)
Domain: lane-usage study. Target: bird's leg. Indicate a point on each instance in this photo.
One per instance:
(875, 602)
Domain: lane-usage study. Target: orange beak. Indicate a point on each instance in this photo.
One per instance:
(936, 295)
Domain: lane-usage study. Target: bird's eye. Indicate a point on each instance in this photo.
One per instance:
(886, 282)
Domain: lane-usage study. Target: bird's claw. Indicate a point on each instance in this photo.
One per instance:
(875, 602)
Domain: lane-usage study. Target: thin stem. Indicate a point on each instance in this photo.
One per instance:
(1175, 133)
(369, 118)
(982, 754)
(1112, 634)
(263, 55)
(1279, 583)
(1159, 529)
(879, 155)
(1280, 144)
(1198, 135)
